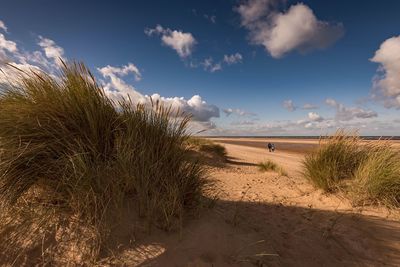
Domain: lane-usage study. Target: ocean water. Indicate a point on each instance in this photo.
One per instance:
(309, 137)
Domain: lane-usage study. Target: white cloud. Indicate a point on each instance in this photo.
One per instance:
(23, 61)
(3, 26)
(387, 83)
(253, 10)
(313, 116)
(282, 32)
(116, 88)
(7, 45)
(52, 50)
(349, 113)
(313, 120)
(309, 106)
(11, 75)
(331, 102)
(183, 43)
(209, 65)
(196, 106)
(233, 59)
(289, 105)
(121, 71)
(239, 112)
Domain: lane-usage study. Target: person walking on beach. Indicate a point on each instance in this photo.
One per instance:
(269, 147)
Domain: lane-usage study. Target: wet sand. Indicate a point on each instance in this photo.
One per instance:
(300, 146)
(290, 145)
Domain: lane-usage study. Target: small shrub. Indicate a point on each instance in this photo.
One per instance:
(336, 159)
(269, 165)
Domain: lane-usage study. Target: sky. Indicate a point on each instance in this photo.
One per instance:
(251, 67)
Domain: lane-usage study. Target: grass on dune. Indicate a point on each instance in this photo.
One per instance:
(336, 159)
(269, 165)
(70, 157)
(377, 180)
(208, 146)
(369, 171)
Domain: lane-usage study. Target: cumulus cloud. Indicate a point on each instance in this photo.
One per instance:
(313, 121)
(387, 82)
(233, 59)
(3, 26)
(331, 102)
(25, 60)
(238, 112)
(344, 113)
(183, 43)
(121, 71)
(52, 50)
(289, 105)
(313, 116)
(116, 88)
(196, 106)
(282, 32)
(7, 45)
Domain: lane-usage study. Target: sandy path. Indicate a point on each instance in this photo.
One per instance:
(263, 219)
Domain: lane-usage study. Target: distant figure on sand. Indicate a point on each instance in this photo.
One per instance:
(273, 147)
(269, 147)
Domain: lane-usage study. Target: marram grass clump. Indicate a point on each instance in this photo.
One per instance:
(335, 160)
(71, 159)
(377, 180)
(368, 171)
(270, 165)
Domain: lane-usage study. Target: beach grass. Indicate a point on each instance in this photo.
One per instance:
(368, 171)
(269, 165)
(72, 159)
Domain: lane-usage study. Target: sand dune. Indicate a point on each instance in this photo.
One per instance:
(263, 219)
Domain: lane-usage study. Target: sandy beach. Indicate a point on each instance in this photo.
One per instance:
(264, 219)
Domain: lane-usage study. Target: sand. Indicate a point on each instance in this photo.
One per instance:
(263, 219)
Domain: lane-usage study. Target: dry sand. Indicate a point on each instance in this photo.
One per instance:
(263, 219)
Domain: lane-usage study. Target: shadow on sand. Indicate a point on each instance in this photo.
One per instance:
(263, 234)
(235, 161)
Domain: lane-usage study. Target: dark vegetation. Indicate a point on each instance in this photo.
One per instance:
(73, 163)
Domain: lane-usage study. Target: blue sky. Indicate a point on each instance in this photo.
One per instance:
(251, 64)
